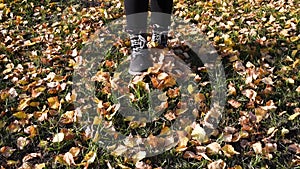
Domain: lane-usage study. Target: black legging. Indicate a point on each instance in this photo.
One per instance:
(137, 11)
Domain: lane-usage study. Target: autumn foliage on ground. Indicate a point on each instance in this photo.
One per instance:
(40, 43)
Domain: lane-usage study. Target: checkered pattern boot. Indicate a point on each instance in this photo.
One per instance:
(159, 36)
(140, 56)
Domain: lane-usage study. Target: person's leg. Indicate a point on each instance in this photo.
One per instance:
(161, 11)
(136, 16)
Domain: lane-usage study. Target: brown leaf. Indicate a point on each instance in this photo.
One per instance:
(74, 151)
(31, 156)
(260, 114)
(199, 97)
(219, 164)
(231, 89)
(7, 151)
(234, 103)
(249, 93)
(294, 148)
(68, 117)
(213, 148)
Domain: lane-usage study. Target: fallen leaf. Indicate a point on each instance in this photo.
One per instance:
(53, 102)
(257, 147)
(24, 103)
(139, 156)
(59, 137)
(90, 157)
(234, 103)
(7, 151)
(229, 151)
(294, 148)
(199, 133)
(74, 151)
(295, 115)
(20, 115)
(22, 142)
(31, 156)
(249, 93)
(219, 164)
(68, 158)
(39, 166)
(213, 148)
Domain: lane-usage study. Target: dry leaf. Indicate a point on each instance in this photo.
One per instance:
(219, 164)
(249, 93)
(22, 142)
(257, 147)
(59, 137)
(90, 157)
(68, 158)
(295, 115)
(213, 148)
(39, 166)
(234, 103)
(229, 151)
(294, 148)
(53, 102)
(74, 151)
(31, 156)
(7, 151)
(24, 103)
(139, 156)
(199, 133)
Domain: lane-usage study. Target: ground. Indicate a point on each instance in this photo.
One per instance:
(42, 42)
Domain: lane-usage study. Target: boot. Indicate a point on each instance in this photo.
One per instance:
(160, 36)
(140, 56)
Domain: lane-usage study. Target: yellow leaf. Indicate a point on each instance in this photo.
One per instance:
(39, 166)
(260, 114)
(292, 117)
(190, 88)
(90, 157)
(229, 150)
(271, 130)
(53, 102)
(199, 133)
(20, 115)
(24, 103)
(284, 131)
(2, 6)
(296, 63)
(68, 117)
